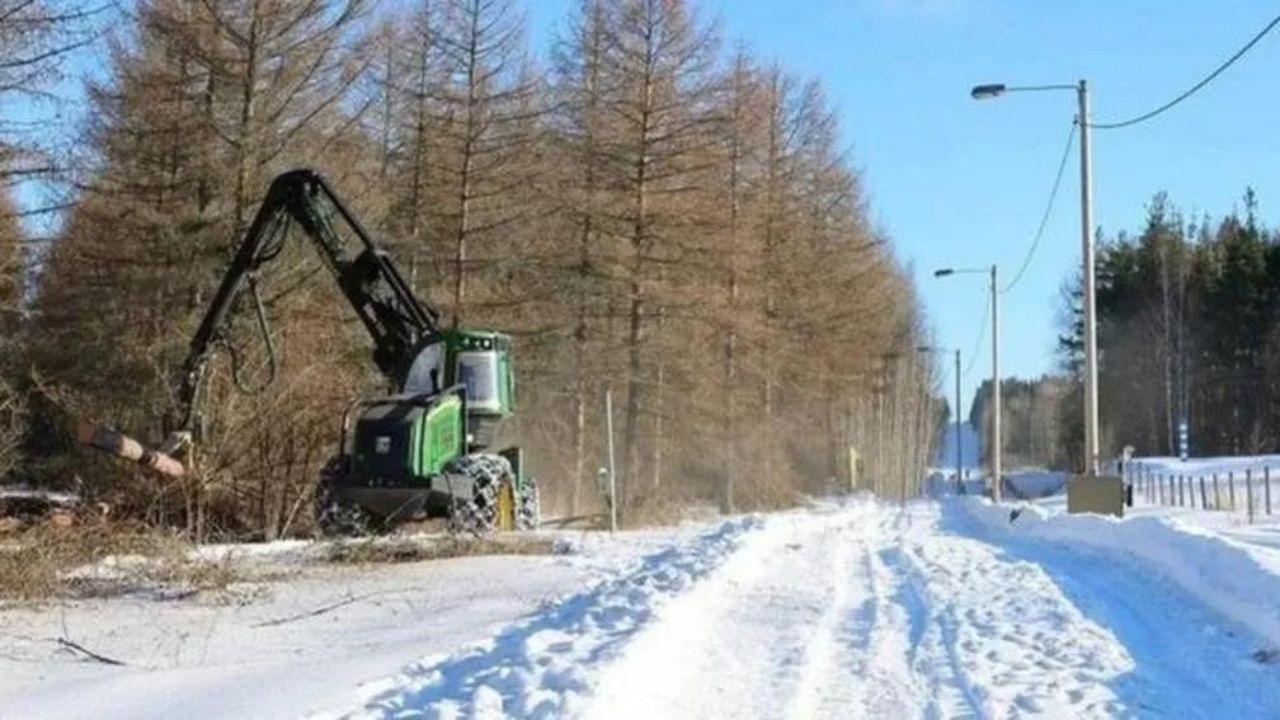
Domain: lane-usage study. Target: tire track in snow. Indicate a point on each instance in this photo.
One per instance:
(870, 611)
(864, 666)
(848, 621)
(941, 690)
(740, 644)
(861, 610)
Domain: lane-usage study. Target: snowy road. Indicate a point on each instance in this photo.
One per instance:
(850, 609)
(861, 610)
(867, 612)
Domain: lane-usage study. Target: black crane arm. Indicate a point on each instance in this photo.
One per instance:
(393, 315)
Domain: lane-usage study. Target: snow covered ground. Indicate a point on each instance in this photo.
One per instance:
(850, 608)
(1263, 529)
(300, 638)
(1028, 484)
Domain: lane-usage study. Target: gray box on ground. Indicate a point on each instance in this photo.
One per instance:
(1103, 495)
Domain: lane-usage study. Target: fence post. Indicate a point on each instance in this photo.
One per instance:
(1204, 499)
(1266, 484)
(1182, 500)
(1266, 487)
(1159, 489)
(1231, 489)
(1217, 498)
(1248, 492)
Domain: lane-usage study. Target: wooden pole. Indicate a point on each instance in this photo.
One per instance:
(613, 474)
(1266, 487)
(1248, 492)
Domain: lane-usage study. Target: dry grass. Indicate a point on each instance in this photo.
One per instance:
(405, 550)
(103, 560)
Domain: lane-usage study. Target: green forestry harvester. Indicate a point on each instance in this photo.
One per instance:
(420, 451)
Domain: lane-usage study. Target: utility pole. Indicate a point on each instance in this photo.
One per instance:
(994, 440)
(959, 447)
(995, 385)
(1081, 89)
(1090, 308)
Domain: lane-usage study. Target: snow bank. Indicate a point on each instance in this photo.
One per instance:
(1030, 484)
(538, 668)
(1208, 465)
(1238, 581)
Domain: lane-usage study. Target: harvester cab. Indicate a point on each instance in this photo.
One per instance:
(477, 360)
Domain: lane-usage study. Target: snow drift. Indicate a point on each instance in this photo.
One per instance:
(539, 668)
(1241, 582)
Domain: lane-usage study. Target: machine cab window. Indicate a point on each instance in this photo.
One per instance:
(478, 372)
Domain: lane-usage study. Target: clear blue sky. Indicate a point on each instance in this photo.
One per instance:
(963, 183)
(958, 182)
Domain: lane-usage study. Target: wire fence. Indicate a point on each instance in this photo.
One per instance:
(1249, 491)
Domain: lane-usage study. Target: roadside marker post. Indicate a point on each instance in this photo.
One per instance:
(1266, 487)
(1248, 492)
(613, 473)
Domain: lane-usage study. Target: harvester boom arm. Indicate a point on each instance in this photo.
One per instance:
(384, 302)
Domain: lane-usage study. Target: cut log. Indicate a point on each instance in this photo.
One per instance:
(123, 446)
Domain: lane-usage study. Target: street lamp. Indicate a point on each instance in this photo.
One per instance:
(983, 92)
(995, 368)
(959, 448)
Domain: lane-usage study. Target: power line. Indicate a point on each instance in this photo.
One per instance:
(982, 333)
(1048, 210)
(1194, 88)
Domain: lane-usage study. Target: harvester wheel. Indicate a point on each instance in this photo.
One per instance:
(335, 517)
(478, 514)
(530, 514)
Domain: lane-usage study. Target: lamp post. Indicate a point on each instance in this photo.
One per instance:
(995, 368)
(983, 92)
(959, 448)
